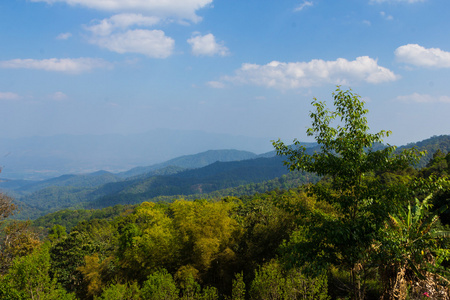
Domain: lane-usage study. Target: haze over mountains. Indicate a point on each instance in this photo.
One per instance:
(38, 158)
(213, 171)
(209, 174)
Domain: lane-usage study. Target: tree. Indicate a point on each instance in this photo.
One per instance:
(16, 239)
(160, 286)
(209, 233)
(414, 249)
(272, 282)
(348, 164)
(30, 277)
(147, 242)
(7, 207)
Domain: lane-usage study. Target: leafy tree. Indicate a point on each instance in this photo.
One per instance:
(272, 282)
(159, 286)
(7, 207)
(31, 278)
(67, 256)
(17, 240)
(147, 242)
(348, 162)
(209, 234)
(238, 291)
(120, 291)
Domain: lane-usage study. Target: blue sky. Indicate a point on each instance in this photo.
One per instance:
(237, 67)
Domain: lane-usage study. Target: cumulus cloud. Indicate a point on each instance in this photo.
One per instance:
(303, 5)
(115, 35)
(121, 21)
(9, 96)
(67, 65)
(153, 43)
(180, 9)
(64, 36)
(424, 98)
(317, 72)
(206, 45)
(423, 57)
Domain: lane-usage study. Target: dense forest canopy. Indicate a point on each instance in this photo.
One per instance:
(363, 222)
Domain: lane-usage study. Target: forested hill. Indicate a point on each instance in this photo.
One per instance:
(193, 161)
(431, 145)
(216, 176)
(70, 217)
(166, 180)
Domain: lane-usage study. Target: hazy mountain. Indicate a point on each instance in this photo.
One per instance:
(46, 157)
(168, 180)
(193, 161)
(216, 176)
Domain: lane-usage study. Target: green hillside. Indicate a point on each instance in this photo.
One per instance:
(193, 161)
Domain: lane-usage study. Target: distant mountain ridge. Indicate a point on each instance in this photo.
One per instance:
(218, 175)
(206, 175)
(37, 158)
(102, 177)
(193, 161)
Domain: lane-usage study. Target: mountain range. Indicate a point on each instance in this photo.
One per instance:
(213, 173)
(38, 158)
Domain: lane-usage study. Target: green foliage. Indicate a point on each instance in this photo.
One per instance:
(272, 282)
(8, 290)
(209, 233)
(70, 218)
(16, 240)
(268, 221)
(429, 147)
(362, 202)
(358, 223)
(238, 291)
(67, 255)
(410, 243)
(120, 292)
(159, 286)
(31, 278)
(148, 242)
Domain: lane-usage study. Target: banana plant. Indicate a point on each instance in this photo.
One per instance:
(412, 245)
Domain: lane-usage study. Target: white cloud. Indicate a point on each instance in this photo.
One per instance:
(58, 96)
(386, 16)
(114, 34)
(9, 96)
(423, 98)
(67, 65)
(317, 72)
(303, 5)
(206, 45)
(153, 43)
(180, 9)
(423, 57)
(64, 36)
(121, 21)
(216, 84)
